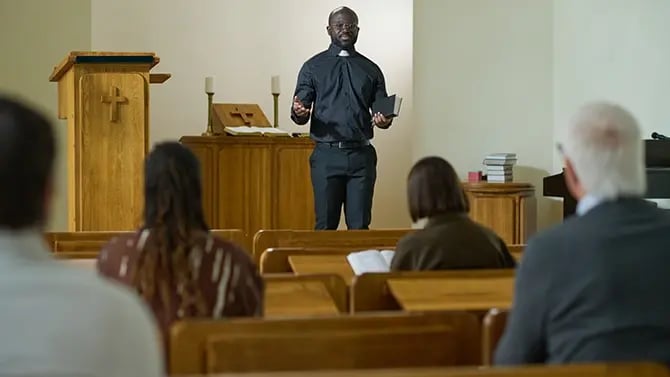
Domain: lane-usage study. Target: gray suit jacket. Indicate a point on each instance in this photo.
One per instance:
(595, 288)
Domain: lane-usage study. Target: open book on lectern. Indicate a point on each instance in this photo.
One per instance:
(242, 119)
(251, 130)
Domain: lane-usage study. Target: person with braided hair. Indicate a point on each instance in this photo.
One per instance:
(172, 261)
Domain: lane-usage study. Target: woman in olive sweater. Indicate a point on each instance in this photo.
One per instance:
(450, 238)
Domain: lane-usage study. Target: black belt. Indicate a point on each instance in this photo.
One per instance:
(346, 144)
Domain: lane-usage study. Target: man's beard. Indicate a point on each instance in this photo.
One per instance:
(349, 44)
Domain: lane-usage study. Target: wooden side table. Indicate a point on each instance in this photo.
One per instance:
(508, 208)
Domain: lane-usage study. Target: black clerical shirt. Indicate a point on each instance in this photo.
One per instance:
(340, 90)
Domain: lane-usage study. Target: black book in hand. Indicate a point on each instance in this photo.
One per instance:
(387, 106)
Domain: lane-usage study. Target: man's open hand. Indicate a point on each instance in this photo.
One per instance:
(299, 109)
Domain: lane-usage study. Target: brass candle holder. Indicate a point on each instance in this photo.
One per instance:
(276, 109)
(210, 129)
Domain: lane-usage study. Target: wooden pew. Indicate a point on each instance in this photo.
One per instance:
(344, 342)
(477, 290)
(286, 295)
(306, 260)
(235, 236)
(516, 251)
(290, 295)
(74, 242)
(315, 264)
(70, 255)
(89, 242)
(349, 240)
(576, 370)
(493, 328)
(310, 260)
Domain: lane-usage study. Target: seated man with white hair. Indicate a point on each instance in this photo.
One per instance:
(595, 287)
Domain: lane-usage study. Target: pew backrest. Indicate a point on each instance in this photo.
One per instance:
(516, 250)
(92, 242)
(75, 242)
(492, 330)
(326, 259)
(289, 295)
(301, 261)
(642, 369)
(343, 342)
(476, 290)
(76, 255)
(235, 236)
(349, 240)
(276, 259)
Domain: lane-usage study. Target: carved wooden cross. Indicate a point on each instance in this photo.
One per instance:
(114, 99)
(242, 114)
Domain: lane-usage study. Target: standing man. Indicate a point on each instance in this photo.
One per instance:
(337, 88)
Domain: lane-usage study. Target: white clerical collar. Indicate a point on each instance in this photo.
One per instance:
(343, 53)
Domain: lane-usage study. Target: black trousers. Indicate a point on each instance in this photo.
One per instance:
(343, 176)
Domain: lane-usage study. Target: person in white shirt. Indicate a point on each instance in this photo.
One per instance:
(57, 320)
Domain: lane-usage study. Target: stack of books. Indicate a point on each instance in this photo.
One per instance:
(499, 167)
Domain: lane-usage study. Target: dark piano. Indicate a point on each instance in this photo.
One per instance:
(657, 160)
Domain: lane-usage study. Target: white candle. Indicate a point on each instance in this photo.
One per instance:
(275, 85)
(209, 84)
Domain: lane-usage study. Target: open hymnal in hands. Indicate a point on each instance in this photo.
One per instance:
(250, 130)
(370, 261)
(387, 106)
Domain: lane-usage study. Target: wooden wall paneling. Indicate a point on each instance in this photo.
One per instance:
(244, 187)
(210, 181)
(292, 206)
(254, 182)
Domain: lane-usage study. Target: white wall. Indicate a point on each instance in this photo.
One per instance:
(35, 35)
(483, 83)
(617, 50)
(244, 43)
(494, 75)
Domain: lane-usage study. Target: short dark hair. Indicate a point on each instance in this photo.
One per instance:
(27, 151)
(433, 188)
(339, 10)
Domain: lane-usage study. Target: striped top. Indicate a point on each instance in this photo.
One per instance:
(226, 275)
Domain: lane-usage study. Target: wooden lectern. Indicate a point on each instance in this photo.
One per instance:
(507, 208)
(253, 182)
(105, 98)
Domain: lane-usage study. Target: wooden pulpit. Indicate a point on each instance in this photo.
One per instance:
(253, 182)
(105, 98)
